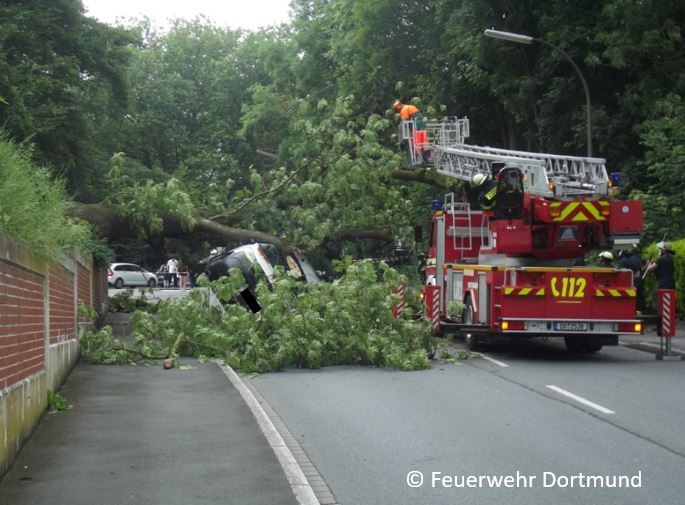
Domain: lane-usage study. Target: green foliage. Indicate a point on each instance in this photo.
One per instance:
(34, 208)
(146, 204)
(56, 402)
(101, 347)
(189, 87)
(85, 312)
(664, 139)
(455, 309)
(124, 301)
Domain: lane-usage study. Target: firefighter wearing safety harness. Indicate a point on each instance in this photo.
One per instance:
(488, 190)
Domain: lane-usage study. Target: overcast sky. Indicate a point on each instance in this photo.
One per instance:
(247, 14)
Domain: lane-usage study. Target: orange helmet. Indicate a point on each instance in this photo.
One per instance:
(396, 105)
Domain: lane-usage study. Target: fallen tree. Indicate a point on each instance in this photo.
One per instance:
(302, 326)
(110, 224)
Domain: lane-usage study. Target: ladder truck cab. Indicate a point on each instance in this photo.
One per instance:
(511, 272)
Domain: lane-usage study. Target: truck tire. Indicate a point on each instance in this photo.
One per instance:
(573, 344)
(592, 348)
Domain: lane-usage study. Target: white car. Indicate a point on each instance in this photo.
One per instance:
(128, 274)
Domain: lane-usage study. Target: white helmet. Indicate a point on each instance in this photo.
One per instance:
(478, 179)
(606, 255)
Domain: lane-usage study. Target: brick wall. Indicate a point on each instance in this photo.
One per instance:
(38, 333)
(22, 324)
(61, 303)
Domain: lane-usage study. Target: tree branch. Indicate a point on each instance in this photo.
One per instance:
(235, 212)
(426, 176)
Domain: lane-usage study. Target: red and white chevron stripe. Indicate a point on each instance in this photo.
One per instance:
(435, 312)
(400, 306)
(666, 314)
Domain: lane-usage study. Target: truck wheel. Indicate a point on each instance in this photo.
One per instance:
(573, 344)
(592, 347)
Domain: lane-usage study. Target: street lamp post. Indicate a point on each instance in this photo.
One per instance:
(525, 39)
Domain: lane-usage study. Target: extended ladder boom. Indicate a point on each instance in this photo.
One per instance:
(546, 175)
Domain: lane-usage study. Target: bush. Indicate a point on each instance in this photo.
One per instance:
(34, 208)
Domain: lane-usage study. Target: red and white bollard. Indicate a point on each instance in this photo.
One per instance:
(666, 311)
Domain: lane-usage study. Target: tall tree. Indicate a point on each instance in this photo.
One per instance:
(51, 57)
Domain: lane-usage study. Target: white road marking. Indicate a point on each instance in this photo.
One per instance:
(582, 400)
(296, 478)
(493, 360)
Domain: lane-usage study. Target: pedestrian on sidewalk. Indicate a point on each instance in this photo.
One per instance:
(172, 267)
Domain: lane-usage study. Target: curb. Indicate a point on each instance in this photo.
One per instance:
(651, 348)
(296, 478)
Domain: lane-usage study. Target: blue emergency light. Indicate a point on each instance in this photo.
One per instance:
(436, 205)
(615, 179)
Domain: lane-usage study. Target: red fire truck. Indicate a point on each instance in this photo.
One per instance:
(510, 272)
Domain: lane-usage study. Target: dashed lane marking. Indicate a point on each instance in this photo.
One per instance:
(493, 360)
(580, 399)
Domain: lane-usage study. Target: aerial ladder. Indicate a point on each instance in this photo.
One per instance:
(547, 178)
(548, 175)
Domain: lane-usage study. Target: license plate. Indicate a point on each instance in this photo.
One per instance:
(570, 326)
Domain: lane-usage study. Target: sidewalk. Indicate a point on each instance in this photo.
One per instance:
(145, 435)
(650, 341)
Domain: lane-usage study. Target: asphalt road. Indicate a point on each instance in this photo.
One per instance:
(154, 294)
(534, 413)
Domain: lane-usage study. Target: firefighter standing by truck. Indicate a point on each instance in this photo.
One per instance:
(664, 271)
(632, 260)
(606, 259)
(663, 267)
